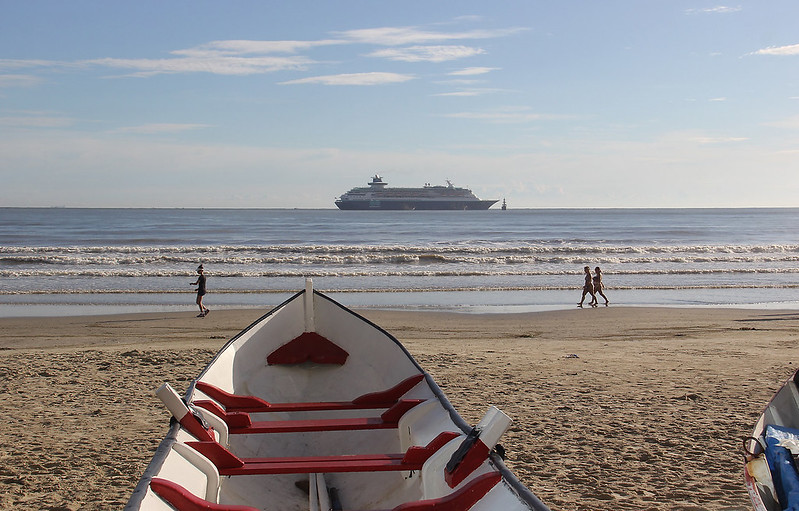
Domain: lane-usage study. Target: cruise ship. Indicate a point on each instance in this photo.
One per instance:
(378, 196)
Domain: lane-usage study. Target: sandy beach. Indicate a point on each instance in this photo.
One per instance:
(614, 408)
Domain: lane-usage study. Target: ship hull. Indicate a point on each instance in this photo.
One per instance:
(418, 205)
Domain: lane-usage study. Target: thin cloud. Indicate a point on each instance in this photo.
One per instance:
(427, 53)
(508, 115)
(248, 57)
(374, 78)
(470, 18)
(19, 81)
(718, 140)
(462, 82)
(792, 49)
(11, 64)
(470, 92)
(239, 66)
(460, 94)
(472, 71)
(791, 123)
(36, 122)
(248, 47)
(402, 36)
(719, 9)
(158, 129)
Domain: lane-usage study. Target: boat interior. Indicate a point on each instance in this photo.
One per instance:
(301, 412)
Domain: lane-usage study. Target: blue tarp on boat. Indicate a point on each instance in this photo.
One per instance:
(782, 466)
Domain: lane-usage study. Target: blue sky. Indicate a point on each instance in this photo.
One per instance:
(657, 103)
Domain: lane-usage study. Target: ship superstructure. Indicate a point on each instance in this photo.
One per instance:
(379, 196)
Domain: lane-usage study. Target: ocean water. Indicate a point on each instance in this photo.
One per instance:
(74, 261)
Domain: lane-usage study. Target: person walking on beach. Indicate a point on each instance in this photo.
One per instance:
(598, 285)
(588, 288)
(200, 283)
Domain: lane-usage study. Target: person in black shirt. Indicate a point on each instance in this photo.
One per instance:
(200, 283)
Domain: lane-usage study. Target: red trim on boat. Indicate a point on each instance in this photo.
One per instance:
(229, 464)
(236, 403)
(393, 414)
(232, 402)
(232, 419)
(475, 457)
(386, 397)
(308, 347)
(419, 454)
(218, 454)
(191, 424)
(239, 423)
(183, 500)
(461, 500)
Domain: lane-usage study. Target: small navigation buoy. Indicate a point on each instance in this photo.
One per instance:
(504, 205)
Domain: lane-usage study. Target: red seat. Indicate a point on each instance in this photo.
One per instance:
(461, 500)
(239, 423)
(229, 464)
(183, 500)
(236, 403)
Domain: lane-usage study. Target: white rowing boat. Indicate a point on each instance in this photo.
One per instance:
(313, 407)
(770, 473)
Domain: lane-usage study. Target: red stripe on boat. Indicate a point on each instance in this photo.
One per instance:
(183, 500)
(308, 347)
(473, 459)
(389, 396)
(461, 500)
(190, 423)
(229, 464)
(239, 423)
(236, 403)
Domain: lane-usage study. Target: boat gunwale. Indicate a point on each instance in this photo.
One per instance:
(153, 467)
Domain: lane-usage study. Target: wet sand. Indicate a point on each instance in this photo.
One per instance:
(614, 408)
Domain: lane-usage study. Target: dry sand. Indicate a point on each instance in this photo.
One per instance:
(614, 408)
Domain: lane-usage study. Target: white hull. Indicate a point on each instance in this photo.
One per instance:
(291, 459)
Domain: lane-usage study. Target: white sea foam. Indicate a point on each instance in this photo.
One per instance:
(153, 253)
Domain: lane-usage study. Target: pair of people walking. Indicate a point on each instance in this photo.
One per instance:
(592, 286)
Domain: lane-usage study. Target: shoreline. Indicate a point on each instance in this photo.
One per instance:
(617, 408)
(86, 330)
(470, 303)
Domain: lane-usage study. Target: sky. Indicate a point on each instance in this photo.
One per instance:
(289, 104)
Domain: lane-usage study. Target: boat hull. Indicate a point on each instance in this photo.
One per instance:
(414, 205)
(313, 395)
(781, 411)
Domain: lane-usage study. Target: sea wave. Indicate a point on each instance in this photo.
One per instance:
(34, 259)
(471, 248)
(401, 289)
(371, 272)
